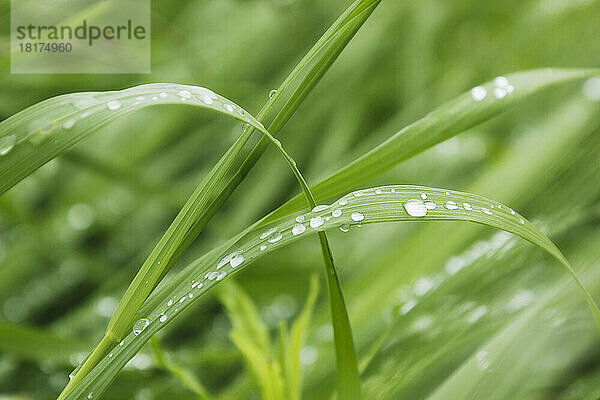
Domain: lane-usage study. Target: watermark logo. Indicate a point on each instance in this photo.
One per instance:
(80, 36)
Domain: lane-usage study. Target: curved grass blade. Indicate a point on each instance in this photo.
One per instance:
(457, 115)
(376, 205)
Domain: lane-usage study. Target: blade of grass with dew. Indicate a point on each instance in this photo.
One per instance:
(451, 118)
(376, 205)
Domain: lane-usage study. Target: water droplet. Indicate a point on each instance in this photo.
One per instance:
(501, 81)
(113, 105)
(430, 205)
(163, 318)
(90, 395)
(510, 89)
(343, 202)
(272, 93)
(206, 99)
(263, 247)
(140, 325)
(478, 93)
(169, 303)
(110, 355)
(336, 213)
(184, 94)
(268, 233)
(450, 205)
(483, 362)
(163, 95)
(512, 211)
(415, 208)
(275, 238)
(298, 229)
(191, 295)
(467, 206)
(499, 93)
(358, 193)
(121, 343)
(357, 216)
(344, 228)
(181, 300)
(486, 211)
(316, 222)
(423, 196)
(591, 89)
(300, 218)
(423, 285)
(236, 260)
(378, 191)
(229, 107)
(211, 276)
(522, 221)
(225, 260)
(319, 208)
(7, 143)
(140, 98)
(221, 276)
(68, 124)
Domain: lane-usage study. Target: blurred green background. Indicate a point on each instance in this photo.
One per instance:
(73, 234)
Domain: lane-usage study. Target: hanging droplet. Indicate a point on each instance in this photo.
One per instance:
(357, 216)
(272, 93)
(140, 325)
(415, 208)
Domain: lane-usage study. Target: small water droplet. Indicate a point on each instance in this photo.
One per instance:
(344, 228)
(236, 260)
(268, 233)
(343, 202)
(298, 229)
(500, 93)
(522, 221)
(276, 238)
(169, 303)
(483, 362)
(486, 211)
(225, 260)
(90, 396)
(415, 208)
(113, 105)
(467, 206)
(206, 99)
(272, 93)
(300, 218)
(110, 355)
(140, 325)
(501, 81)
(263, 247)
(450, 205)
(221, 276)
(478, 93)
(357, 216)
(423, 196)
(68, 124)
(191, 295)
(229, 107)
(319, 208)
(316, 222)
(512, 211)
(358, 193)
(181, 300)
(121, 343)
(163, 95)
(7, 143)
(336, 213)
(163, 318)
(591, 89)
(184, 94)
(378, 191)
(430, 205)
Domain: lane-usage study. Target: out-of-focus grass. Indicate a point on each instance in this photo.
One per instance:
(480, 314)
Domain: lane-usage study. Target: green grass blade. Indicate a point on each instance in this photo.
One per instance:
(450, 119)
(376, 205)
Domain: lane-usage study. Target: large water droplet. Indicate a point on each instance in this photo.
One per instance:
(316, 222)
(140, 325)
(357, 216)
(236, 260)
(113, 105)
(298, 229)
(415, 208)
(272, 93)
(7, 143)
(478, 93)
